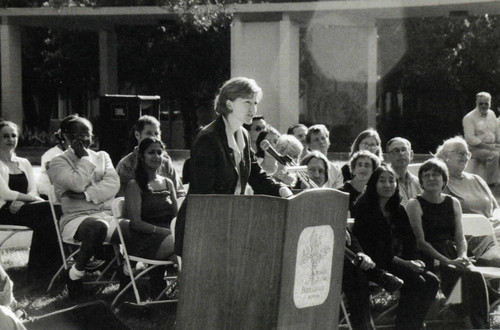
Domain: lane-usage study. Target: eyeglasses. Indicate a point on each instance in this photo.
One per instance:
(396, 151)
(462, 154)
(483, 103)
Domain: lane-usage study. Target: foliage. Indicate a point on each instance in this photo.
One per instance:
(445, 62)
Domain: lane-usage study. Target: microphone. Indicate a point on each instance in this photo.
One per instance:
(283, 160)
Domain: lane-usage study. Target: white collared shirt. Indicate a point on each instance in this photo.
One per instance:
(236, 142)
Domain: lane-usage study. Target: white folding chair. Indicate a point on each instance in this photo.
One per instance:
(53, 200)
(118, 208)
(478, 225)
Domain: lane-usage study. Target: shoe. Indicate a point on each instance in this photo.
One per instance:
(94, 264)
(75, 288)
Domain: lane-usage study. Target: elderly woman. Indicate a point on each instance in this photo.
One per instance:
(435, 218)
(366, 140)
(21, 205)
(362, 165)
(288, 145)
(474, 196)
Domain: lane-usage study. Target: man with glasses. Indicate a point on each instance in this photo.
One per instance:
(481, 134)
(258, 124)
(400, 155)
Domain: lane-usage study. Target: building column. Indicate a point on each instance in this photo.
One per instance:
(372, 79)
(288, 73)
(269, 53)
(11, 66)
(108, 76)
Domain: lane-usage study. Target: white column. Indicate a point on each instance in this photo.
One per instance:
(108, 77)
(12, 96)
(371, 101)
(288, 73)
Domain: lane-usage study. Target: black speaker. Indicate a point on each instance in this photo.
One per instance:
(118, 114)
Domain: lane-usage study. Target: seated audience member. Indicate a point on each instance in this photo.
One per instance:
(400, 155)
(147, 126)
(366, 140)
(480, 131)
(43, 184)
(288, 145)
(382, 228)
(318, 138)
(151, 204)
(317, 169)
(362, 163)
(86, 183)
(300, 132)
(474, 196)
(265, 160)
(8, 319)
(258, 124)
(436, 220)
(21, 205)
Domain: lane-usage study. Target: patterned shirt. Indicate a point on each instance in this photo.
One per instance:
(409, 187)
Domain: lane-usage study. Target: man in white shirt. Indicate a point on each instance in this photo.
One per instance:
(481, 134)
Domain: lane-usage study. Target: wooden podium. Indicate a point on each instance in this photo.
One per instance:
(261, 262)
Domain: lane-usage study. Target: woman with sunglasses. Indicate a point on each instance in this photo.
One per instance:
(436, 220)
(21, 205)
(382, 228)
(366, 140)
(265, 160)
(474, 196)
(43, 184)
(222, 161)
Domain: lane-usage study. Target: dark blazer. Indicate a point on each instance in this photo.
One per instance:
(382, 240)
(212, 170)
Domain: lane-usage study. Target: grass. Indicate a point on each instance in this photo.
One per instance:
(31, 296)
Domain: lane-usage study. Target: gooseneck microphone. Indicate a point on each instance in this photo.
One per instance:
(283, 160)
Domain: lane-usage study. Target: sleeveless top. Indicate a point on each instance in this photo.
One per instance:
(157, 208)
(438, 223)
(17, 182)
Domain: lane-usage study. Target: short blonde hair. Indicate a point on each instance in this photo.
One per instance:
(289, 145)
(234, 88)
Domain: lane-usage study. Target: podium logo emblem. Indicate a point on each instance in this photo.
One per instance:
(313, 267)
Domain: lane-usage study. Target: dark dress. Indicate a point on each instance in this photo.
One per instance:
(384, 238)
(438, 224)
(156, 209)
(346, 172)
(44, 257)
(353, 195)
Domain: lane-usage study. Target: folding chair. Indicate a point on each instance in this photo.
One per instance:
(8, 231)
(118, 212)
(53, 200)
(478, 225)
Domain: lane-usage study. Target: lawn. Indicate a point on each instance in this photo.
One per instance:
(32, 297)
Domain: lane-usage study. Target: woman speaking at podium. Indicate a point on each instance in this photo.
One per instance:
(221, 159)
